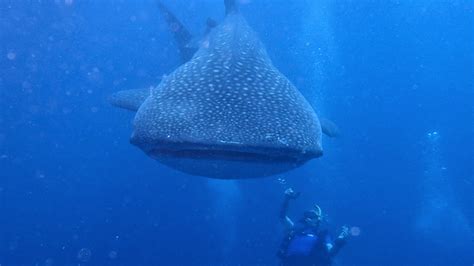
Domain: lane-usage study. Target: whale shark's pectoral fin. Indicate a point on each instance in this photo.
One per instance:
(329, 128)
(130, 99)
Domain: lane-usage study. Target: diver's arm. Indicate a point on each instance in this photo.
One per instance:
(339, 242)
(287, 222)
(289, 195)
(336, 247)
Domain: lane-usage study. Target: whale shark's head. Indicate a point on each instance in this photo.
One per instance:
(228, 107)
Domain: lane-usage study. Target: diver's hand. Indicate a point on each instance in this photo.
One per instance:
(291, 194)
(344, 232)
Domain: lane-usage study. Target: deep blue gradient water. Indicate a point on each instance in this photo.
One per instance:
(396, 76)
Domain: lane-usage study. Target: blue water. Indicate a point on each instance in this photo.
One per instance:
(396, 76)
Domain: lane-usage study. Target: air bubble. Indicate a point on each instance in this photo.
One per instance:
(113, 254)
(84, 254)
(355, 231)
(11, 55)
(281, 180)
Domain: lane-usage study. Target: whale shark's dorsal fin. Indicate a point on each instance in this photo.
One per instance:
(230, 7)
(181, 35)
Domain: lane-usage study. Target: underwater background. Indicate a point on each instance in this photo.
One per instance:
(395, 76)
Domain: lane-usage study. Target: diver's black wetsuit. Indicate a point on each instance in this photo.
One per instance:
(318, 252)
(319, 255)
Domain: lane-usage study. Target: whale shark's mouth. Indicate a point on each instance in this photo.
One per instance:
(231, 152)
(226, 160)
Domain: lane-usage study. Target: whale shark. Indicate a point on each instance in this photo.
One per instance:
(227, 112)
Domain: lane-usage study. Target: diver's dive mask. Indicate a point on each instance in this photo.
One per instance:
(313, 216)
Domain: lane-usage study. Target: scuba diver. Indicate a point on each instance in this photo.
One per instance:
(305, 243)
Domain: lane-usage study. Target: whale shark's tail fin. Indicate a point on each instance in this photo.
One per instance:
(230, 6)
(181, 35)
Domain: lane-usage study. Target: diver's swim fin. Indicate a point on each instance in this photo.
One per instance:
(130, 99)
(329, 128)
(181, 35)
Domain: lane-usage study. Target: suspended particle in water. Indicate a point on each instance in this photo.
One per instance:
(84, 254)
(281, 180)
(11, 55)
(26, 85)
(355, 231)
(113, 254)
(39, 174)
(66, 110)
(433, 136)
(13, 245)
(49, 262)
